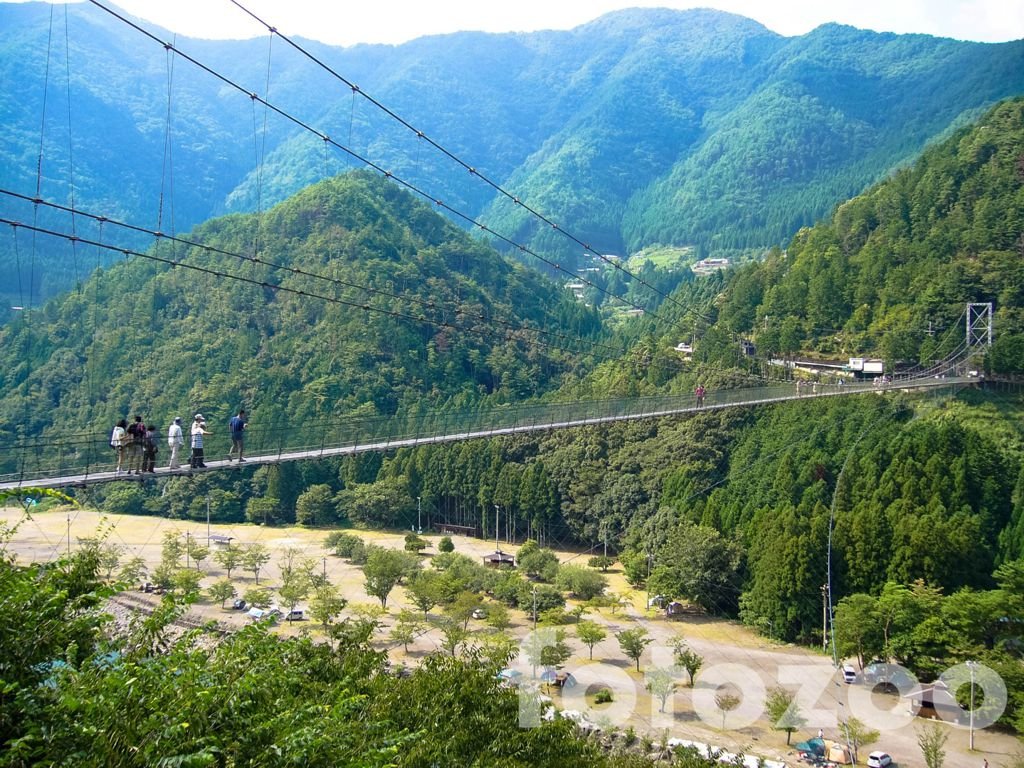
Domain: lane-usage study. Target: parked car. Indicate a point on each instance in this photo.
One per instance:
(879, 760)
(295, 615)
(479, 613)
(239, 604)
(259, 614)
(892, 676)
(147, 587)
(849, 674)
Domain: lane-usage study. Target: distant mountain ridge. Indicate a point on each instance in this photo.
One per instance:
(641, 127)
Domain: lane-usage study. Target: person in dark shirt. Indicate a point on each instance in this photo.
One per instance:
(136, 437)
(149, 450)
(237, 427)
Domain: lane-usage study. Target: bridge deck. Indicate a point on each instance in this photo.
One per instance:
(89, 461)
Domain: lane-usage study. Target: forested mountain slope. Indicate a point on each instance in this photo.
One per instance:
(644, 126)
(160, 340)
(891, 272)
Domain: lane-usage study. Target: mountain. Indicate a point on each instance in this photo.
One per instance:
(642, 127)
(892, 270)
(364, 301)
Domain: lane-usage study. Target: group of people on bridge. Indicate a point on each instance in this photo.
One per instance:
(137, 445)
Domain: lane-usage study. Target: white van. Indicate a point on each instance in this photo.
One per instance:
(849, 674)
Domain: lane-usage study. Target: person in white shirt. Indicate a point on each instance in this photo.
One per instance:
(198, 430)
(175, 439)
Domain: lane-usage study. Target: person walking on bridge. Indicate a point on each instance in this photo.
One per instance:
(237, 427)
(175, 439)
(699, 393)
(198, 430)
(119, 441)
(136, 437)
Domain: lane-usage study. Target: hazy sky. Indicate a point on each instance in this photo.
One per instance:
(346, 22)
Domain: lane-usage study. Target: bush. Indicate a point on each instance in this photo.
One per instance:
(547, 597)
(445, 544)
(604, 696)
(583, 583)
(315, 506)
(342, 544)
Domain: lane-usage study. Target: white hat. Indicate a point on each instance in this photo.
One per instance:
(199, 417)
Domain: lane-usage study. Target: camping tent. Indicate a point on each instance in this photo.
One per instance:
(837, 753)
(832, 751)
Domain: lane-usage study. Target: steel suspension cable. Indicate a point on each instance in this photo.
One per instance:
(473, 171)
(415, 189)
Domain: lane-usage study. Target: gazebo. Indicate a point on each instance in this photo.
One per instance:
(498, 558)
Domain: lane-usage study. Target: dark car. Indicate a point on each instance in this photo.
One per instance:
(239, 604)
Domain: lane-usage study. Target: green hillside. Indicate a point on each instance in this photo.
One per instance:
(145, 337)
(643, 128)
(891, 272)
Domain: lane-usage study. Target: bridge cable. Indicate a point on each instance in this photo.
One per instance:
(423, 319)
(473, 171)
(610, 349)
(390, 175)
(428, 304)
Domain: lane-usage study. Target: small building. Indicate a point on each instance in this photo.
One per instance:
(686, 350)
(458, 530)
(747, 348)
(498, 558)
(676, 608)
(934, 700)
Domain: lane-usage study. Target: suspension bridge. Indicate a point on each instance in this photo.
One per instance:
(87, 459)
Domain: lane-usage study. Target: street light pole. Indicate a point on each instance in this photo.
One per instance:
(419, 515)
(972, 665)
(647, 584)
(824, 616)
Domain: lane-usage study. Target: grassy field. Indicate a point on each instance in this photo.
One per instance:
(44, 536)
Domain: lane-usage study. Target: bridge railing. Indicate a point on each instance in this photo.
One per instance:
(89, 453)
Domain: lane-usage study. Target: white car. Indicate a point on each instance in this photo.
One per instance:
(849, 674)
(879, 760)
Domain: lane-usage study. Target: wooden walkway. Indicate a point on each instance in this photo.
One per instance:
(53, 471)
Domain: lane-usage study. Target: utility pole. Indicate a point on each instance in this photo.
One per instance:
(824, 616)
(647, 584)
(972, 665)
(69, 534)
(325, 571)
(187, 534)
(207, 521)
(496, 549)
(535, 608)
(419, 515)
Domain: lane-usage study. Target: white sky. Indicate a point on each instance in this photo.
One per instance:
(347, 22)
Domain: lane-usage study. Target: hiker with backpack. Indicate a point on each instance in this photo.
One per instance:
(136, 437)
